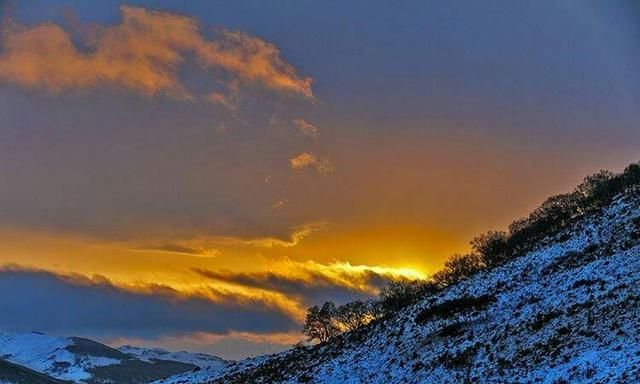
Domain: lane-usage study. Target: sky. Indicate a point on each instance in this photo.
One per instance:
(194, 175)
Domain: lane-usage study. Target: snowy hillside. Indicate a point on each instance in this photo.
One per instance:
(50, 355)
(80, 360)
(566, 312)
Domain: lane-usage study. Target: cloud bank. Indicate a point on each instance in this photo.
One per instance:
(40, 300)
(144, 54)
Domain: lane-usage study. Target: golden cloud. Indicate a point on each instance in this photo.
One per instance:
(143, 53)
(309, 160)
(213, 246)
(291, 286)
(304, 278)
(297, 234)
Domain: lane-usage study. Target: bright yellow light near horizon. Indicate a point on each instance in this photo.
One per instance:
(149, 270)
(412, 273)
(397, 272)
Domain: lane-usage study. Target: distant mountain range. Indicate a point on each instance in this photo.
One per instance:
(34, 358)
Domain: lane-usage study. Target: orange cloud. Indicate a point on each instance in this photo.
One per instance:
(143, 53)
(306, 128)
(206, 247)
(225, 101)
(230, 100)
(296, 235)
(252, 59)
(285, 338)
(309, 160)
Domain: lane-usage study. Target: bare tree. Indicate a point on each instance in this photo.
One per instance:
(456, 268)
(400, 294)
(320, 322)
(353, 315)
(492, 247)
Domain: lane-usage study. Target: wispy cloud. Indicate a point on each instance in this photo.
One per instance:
(223, 100)
(296, 235)
(306, 128)
(213, 246)
(180, 249)
(143, 53)
(309, 160)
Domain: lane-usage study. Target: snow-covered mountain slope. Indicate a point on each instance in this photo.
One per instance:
(81, 360)
(51, 355)
(201, 360)
(566, 312)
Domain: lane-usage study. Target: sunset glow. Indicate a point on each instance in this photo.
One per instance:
(239, 164)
